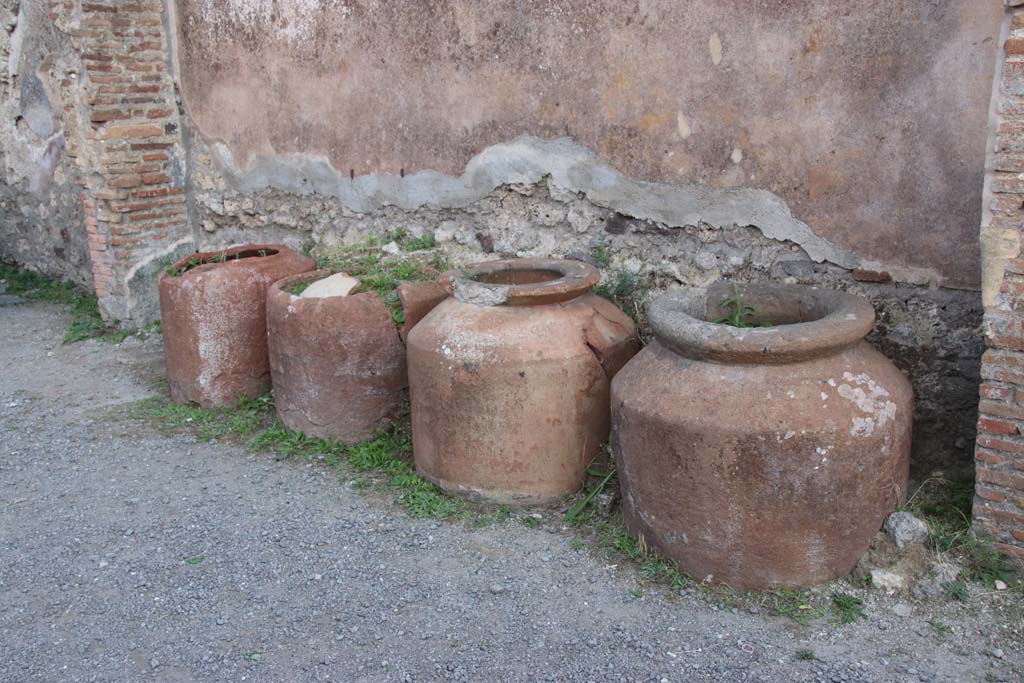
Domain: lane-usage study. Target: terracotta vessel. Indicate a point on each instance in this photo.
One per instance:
(509, 380)
(337, 363)
(765, 456)
(214, 322)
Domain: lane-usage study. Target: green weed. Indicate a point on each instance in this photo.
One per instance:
(806, 655)
(173, 271)
(630, 292)
(601, 254)
(740, 312)
(957, 590)
(420, 243)
(797, 605)
(946, 506)
(847, 608)
(206, 424)
(575, 513)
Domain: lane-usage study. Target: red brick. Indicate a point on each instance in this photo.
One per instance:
(994, 426)
(155, 178)
(129, 131)
(1015, 551)
(989, 457)
(997, 444)
(1006, 479)
(995, 392)
(125, 181)
(989, 494)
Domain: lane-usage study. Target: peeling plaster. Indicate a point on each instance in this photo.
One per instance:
(998, 245)
(527, 160)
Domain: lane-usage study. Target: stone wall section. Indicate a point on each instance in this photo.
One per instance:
(999, 452)
(40, 203)
(125, 134)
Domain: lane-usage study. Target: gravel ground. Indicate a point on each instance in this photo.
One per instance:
(126, 555)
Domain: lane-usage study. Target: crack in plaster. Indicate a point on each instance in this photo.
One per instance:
(527, 160)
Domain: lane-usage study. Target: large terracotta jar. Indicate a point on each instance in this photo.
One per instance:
(337, 363)
(509, 380)
(761, 456)
(213, 313)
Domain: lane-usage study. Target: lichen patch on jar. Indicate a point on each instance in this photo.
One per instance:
(871, 399)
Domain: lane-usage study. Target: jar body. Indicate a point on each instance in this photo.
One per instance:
(337, 364)
(761, 475)
(213, 319)
(510, 403)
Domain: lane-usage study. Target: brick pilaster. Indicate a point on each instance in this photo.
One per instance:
(125, 135)
(999, 452)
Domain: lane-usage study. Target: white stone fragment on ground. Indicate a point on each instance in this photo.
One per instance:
(886, 580)
(391, 248)
(338, 284)
(1001, 585)
(902, 609)
(905, 529)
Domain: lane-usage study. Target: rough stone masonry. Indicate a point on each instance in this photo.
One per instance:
(643, 138)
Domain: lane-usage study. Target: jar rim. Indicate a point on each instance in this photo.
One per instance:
(522, 282)
(810, 322)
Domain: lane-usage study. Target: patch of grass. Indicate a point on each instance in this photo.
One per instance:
(422, 243)
(798, 605)
(847, 608)
(629, 291)
(382, 274)
(299, 288)
(615, 539)
(806, 656)
(530, 521)
(957, 590)
(206, 424)
(575, 514)
(601, 254)
(940, 628)
(86, 321)
(946, 507)
(173, 271)
(498, 516)
(387, 455)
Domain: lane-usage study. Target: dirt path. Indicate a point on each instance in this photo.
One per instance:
(130, 556)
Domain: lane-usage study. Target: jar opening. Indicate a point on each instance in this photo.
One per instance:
(755, 307)
(227, 255)
(517, 276)
(802, 322)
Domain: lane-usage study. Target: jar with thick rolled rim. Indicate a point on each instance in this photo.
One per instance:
(766, 455)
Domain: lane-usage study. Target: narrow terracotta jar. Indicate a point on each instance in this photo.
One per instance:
(509, 380)
(214, 322)
(764, 456)
(337, 363)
